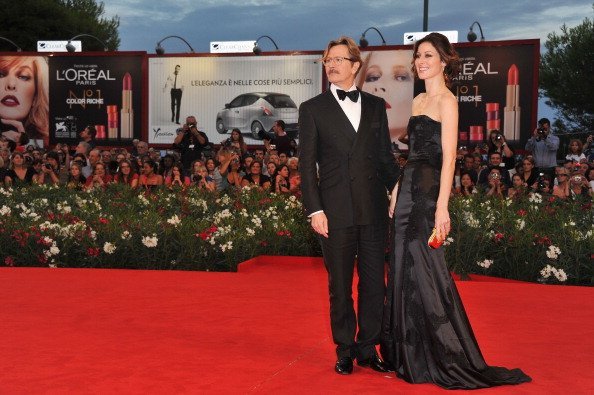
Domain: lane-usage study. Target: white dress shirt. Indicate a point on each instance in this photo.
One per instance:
(351, 109)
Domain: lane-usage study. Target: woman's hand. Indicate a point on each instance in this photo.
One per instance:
(393, 196)
(442, 223)
(17, 130)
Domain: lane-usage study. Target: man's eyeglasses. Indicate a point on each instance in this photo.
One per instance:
(336, 60)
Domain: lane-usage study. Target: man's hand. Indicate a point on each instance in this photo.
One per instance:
(319, 223)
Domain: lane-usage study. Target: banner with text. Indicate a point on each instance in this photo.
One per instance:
(102, 91)
(248, 93)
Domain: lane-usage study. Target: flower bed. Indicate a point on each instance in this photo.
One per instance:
(123, 228)
(531, 239)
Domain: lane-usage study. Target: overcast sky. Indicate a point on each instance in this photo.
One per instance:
(309, 25)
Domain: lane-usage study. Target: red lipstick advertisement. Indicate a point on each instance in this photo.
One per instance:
(511, 112)
(112, 122)
(126, 113)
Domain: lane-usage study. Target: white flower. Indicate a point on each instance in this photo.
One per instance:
(535, 198)
(54, 250)
(257, 221)
(109, 248)
(150, 242)
(126, 235)
(227, 246)
(93, 235)
(560, 275)
(471, 220)
(143, 200)
(175, 221)
(448, 241)
(486, 263)
(553, 252)
(546, 271)
(250, 231)
(520, 223)
(5, 210)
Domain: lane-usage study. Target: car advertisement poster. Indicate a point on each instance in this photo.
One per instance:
(102, 91)
(223, 93)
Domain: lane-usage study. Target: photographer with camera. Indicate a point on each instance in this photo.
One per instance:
(190, 141)
(544, 145)
(570, 186)
(494, 163)
(51, 173)
(495, 186)
(236, 141)
(497, 143)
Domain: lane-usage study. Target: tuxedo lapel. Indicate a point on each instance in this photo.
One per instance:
(364, 124)
(339, 118)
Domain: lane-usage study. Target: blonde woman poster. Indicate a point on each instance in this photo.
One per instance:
(24, 100)
(388, 74)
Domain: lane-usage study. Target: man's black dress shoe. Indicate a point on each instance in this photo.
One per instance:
(375, 362)
(344, 365)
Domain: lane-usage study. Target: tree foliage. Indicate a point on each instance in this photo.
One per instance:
(567, 76)
(27, 21)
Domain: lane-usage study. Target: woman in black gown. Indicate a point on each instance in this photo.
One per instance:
(426, 334)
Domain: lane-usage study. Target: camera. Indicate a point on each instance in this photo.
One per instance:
(576, 180)
(47, 166)
(498, 137)
(196, 178)
(227, 143)
(541, 181)
(541, 131)
(494, 176)
(272, 146)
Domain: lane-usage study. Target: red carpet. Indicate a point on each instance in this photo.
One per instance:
(262, 330)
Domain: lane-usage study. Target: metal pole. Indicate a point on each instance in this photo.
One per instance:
(426, 16)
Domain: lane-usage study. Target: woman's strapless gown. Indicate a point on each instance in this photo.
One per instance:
(426, 334)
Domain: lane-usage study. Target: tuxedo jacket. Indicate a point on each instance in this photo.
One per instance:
(355, 169)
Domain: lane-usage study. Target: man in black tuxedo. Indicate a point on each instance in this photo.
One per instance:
(345, 133)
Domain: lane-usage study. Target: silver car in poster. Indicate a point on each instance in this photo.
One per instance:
(256, 112)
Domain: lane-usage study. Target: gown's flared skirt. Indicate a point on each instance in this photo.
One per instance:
(426, 334)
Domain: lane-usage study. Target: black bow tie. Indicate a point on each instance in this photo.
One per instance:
(353, 95)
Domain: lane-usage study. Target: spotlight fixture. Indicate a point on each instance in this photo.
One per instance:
(71, 48)
(160, 50)
(363, 43)
(18, 49)
(257, 50)
(471, 36)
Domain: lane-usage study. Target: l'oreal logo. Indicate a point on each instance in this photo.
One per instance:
(83, 75)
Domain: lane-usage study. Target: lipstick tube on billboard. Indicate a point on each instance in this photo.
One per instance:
(492, 112)
(100, 132)
(126, 113)
(462, 136)
(476, 134)
(511, 112)
(112, 122)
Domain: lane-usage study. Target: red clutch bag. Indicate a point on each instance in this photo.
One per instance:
(434, 242)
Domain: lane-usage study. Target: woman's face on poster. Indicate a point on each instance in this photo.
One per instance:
(387, 74)
(17, 90)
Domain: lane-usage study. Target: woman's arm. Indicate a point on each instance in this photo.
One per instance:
(448, 112)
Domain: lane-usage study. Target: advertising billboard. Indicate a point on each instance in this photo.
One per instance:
(103, 91)
(244, 92)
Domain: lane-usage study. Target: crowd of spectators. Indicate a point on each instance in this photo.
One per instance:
(193, 161)
(496, 170)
